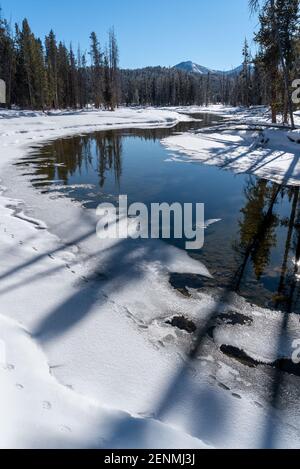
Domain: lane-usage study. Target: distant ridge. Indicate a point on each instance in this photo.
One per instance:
(192, 67)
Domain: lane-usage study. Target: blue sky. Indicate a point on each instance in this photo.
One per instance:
(150, 32)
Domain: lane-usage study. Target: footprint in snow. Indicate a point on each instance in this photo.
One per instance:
(19, 386)
(9, 367)
(237, 396)
(65, 429)
(47, 405)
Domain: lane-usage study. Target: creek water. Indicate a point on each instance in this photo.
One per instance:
(254, 249)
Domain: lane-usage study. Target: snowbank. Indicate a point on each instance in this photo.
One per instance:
(270, 154)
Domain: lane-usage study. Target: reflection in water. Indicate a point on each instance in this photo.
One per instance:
(255, 249)
(286, 297)
(258, 195)
(78, 154)
(258, 236)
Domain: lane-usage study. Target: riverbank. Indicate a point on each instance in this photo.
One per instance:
(243, 145)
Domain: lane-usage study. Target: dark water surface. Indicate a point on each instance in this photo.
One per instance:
(255, 248)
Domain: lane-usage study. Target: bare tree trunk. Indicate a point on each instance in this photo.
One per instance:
(273, 96)
(283, 64)
(285, 109)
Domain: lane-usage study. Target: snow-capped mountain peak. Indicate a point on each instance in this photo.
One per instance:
(192, 67)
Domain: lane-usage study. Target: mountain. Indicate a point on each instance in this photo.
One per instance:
(192, 67)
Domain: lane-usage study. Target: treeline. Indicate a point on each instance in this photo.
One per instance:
(47, 74)
(160, 86)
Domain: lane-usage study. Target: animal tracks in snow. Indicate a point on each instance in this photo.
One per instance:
(47, 405)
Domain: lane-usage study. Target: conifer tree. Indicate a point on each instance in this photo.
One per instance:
(279, 24)
(97, 70)
(52, 69)
(63, 72)
(114, 69)
(246, 75)
(73, 79)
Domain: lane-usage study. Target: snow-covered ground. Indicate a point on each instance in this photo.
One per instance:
(267, 153)
(88, 357)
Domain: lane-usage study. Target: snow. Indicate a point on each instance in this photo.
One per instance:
(294, 135)
(271, 154)
(37, 411)
(241, 152)
(190, 66)
(90, 359)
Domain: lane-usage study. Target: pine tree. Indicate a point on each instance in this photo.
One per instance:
(73, 80)
(114, 69)
(97, 70)
(280, 19)
(25, 65)
(82, 79)
(269, 56)
(52, 69)
(40, 84)
(63, 73)
(246, 75)
(107, 92)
